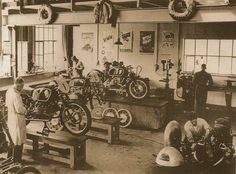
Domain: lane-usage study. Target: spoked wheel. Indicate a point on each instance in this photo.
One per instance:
(97, 112)
(138, 89)
(76, 119)
(55, 124)
(28, 170)
(126, 117)
(110, 112)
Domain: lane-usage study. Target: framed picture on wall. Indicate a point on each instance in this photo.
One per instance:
(127, 40)
(147, 42)
(168, 38)
(88, 42)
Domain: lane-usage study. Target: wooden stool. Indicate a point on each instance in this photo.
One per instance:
(63, 140)
(111, 125)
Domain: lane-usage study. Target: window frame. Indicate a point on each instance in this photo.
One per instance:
(45, 41)
(233, 56)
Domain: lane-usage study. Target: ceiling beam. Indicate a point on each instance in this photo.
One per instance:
(204, 14)
(150, 3)
(68, 6)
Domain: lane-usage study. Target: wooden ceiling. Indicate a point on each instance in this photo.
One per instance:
(31, 6)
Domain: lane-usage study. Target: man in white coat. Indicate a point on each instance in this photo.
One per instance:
(16, 117)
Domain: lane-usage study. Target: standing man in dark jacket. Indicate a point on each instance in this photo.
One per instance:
(202, 81)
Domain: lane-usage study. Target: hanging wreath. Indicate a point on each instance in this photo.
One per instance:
(182, 9)
(46, 14)
(104, 12)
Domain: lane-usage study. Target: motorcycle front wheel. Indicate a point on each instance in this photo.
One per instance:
(76, 119)
(138, 89)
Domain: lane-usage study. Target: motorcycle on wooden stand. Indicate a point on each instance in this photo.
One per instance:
(51, 102)
(122, 79)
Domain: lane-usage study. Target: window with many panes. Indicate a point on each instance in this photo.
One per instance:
(218, 54)
(5, 57)
(44, 47)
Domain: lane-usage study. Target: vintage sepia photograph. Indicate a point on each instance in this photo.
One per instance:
(118, 87)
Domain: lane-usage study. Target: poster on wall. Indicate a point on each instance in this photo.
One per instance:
(107, 40)
(168, 38)
(107, 46)
(127, 41)
(147, 42)
(88, 42)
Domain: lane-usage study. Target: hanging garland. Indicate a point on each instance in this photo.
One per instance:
(46, 14)
(105, 13)
(178, 13)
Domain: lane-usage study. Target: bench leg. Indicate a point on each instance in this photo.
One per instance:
(81, 153)
(46, 147)
(77, 155)
(35, 144)
(117, 132)
(110, 134)
(72, 157)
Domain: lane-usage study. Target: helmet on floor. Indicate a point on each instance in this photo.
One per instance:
(169, 157)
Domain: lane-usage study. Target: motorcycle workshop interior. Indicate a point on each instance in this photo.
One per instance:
(117, 86)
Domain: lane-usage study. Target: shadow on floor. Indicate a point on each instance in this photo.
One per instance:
(221, 169)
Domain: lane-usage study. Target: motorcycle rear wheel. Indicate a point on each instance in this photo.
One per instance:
(138, 89)
(76, 119)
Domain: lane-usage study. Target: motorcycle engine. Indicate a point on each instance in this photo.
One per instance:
(115, 81)
(44, 109)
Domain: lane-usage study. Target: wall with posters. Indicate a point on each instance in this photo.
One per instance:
(85, 45)
(167, 45)
(168, 48)
(140, 47)
(143, 48)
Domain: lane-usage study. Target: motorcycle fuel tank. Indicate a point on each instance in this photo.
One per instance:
(41, 94)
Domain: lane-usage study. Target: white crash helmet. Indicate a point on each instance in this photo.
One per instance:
(169, 157)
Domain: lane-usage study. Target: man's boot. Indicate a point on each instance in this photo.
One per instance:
(17, 154)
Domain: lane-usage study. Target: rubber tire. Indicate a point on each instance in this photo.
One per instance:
(28, 169)
(109, 109)
(89, 121)
(51, 14)
(184, 16)
(130, 118)
(132, 95)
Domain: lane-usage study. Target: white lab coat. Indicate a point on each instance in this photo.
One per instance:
(16, 117)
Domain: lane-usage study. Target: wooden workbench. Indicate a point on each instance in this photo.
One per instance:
(63, 140)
